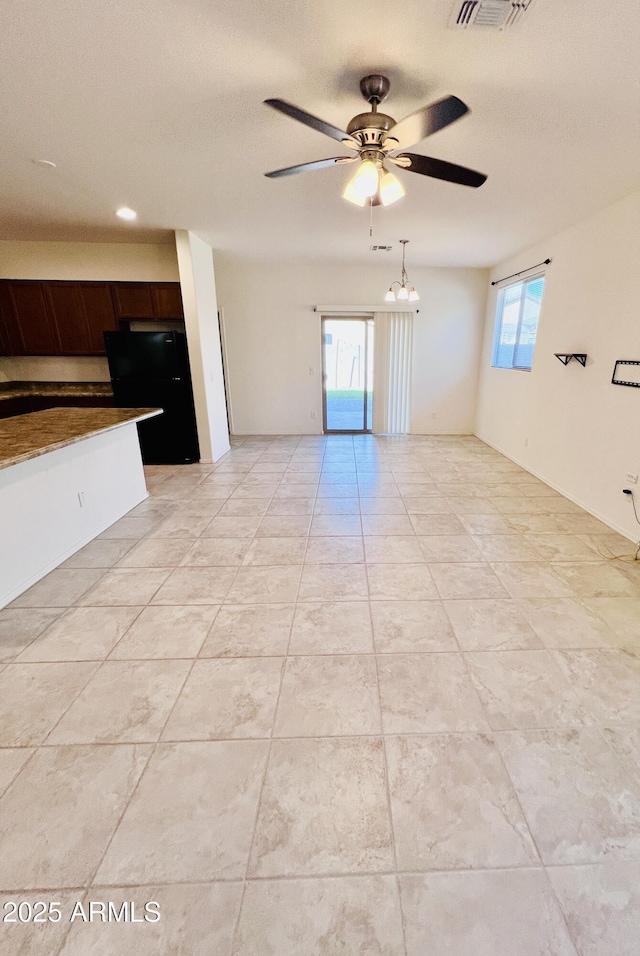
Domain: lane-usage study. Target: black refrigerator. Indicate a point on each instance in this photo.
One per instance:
(151, 370)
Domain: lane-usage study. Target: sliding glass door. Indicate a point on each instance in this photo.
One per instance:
(347, 374)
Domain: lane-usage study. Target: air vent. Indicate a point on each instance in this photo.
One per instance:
(488, 14)
(380, 248)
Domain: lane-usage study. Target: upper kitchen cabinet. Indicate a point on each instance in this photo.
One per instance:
(133, 300)
(48, 317)
(5, 309)
(167, 300)
(81, 312)
(29, 324)
(147, 300)
(101, 317)
(67, 310)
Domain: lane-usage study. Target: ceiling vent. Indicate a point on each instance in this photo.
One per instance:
(488, 14)
(380, 248)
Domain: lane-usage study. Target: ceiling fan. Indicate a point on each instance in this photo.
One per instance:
(377, 140)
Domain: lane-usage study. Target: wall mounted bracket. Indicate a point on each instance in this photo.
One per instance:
(630, 369)
(565, 357)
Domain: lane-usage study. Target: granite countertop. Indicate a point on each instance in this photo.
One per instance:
(81, 389)
(29, 436)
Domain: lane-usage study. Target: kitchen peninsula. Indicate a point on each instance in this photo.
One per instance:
(66, 474)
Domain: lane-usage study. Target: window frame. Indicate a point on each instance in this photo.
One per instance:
(498, 317)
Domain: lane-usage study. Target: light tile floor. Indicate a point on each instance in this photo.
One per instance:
(338, 695)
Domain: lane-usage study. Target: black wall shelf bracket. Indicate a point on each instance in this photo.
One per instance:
(565, 357)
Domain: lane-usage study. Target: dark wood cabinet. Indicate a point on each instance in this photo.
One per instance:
(49, 317)
(38, 403)
(147, 300)
(101, 317)
(133, 300)
(14, 406)
(69, 318)
(167, 300)
(34, 328)
(6, 310)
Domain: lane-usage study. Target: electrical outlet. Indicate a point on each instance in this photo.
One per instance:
(632, 478)
(312, 370)
(313, 414)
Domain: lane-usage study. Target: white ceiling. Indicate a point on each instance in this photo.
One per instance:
(158, 105)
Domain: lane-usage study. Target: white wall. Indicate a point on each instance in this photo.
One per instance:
(571, 426)
(272, 338)
(98, 261)
(198, 281)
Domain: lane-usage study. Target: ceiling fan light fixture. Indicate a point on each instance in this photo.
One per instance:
(391, 189)
(351, 195)
(367, 179)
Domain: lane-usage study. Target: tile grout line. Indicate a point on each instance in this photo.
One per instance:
(236, 921)
(262, 782)
(154, 747)
(565, 919)
(323, 875)
(386, 769)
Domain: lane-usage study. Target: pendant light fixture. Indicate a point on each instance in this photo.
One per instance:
(405, 291)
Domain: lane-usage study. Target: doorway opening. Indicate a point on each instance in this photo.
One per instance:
(347, 375)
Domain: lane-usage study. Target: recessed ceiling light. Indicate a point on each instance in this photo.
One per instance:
(44, 162)
(125, 213)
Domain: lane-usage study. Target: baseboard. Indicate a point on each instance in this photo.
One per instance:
(562, 491)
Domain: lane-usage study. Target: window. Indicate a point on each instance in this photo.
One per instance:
(517, 314)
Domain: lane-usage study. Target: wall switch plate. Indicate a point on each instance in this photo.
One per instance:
(632, 478)
(312, 370)
(313, 414)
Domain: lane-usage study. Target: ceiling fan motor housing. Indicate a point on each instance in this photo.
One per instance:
(369, 128)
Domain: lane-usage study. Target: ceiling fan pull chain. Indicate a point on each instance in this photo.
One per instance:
(371, 217)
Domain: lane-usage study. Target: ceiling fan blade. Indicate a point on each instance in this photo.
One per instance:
(438, 169)
(424, 122)
(303, 117)
(309, 167)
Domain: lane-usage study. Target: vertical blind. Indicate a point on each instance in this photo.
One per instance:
(392, 372)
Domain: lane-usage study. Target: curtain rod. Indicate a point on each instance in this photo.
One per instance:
(361, 310)
(514, 274)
